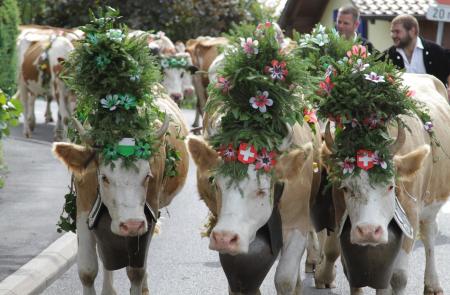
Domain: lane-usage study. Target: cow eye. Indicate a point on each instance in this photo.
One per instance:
(211, 179)
(105, 179)
(390, 188)
(182, 74)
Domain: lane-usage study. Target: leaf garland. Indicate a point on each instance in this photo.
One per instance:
(258, 91)
(10, 109)
(362, 95)
(112, 76)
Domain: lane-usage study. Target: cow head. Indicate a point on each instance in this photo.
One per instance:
(371, 206)
(123, 190)
(177, 78)
(244, 206)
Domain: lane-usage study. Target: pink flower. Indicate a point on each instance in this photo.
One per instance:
(378, 161)
(348, 165)
(310, 116)
(277, 71)
(374, 77)
(326, 85)
(250, 46)
(428, 126)
(358, 50)
(223, 84)
(410, 93)
(265, 160)
(261, 100)
(228, 153)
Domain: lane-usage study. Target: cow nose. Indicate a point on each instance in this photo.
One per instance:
(176, 97)
(188, 92)
(132, 228)
(224, 241)
(368, 233)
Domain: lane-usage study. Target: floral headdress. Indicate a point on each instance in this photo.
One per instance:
(362, 96)
(258, 91)
(112, 76)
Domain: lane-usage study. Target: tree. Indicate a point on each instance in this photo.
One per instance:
(30, 10)
(179, 19)
(9, 22)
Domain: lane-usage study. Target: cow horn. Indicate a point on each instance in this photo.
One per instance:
(164, 127)
(82, 132)
(401, 137)
(328, 137)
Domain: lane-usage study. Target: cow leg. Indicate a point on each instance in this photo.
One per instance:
(145, 289)
(428, 232)
(136, 276)
(108, 287)
(312, 252)
(24, 98)
(287, 275)
(239, 293)
(87, 255)
(356, 291)
(326, 269)
(48, 110)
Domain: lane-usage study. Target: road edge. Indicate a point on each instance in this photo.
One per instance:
(40, 272)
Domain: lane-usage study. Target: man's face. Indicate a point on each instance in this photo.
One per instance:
(401, 37)
(346, 26)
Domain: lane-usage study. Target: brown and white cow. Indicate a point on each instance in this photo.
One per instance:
(40, 58)
(124, 192)
(203, 51)
(176, 80)
(246, 206)
(422, 187)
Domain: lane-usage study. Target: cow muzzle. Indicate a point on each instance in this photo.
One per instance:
(176, 97)
(227, 242)
(368, 234)
(132, 227)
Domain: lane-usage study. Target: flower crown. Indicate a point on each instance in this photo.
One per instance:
(257, 93)
(177, 62)
(362, 95)
(111, 75)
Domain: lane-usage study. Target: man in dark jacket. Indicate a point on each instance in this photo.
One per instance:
(347, 23)
(416, 54)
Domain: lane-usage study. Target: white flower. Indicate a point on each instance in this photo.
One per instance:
(359, 66)
(250, 46)
(373, 77)
(115, 35)
(321, 39)
(260, 101)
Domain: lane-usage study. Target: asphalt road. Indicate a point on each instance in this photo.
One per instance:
(180, 262)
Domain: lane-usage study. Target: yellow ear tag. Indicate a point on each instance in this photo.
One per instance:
(315, 167)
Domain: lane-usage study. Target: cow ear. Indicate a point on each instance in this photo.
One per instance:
(289, 166)
(407, 165)
(203, 155)
(75, 157)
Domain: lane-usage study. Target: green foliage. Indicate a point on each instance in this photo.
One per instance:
(112, 76)
(30, 10)
(10, 110)
(9, 22)
(68, 218)
(247, 76)
(362, 95)
(173, 157)
(179, 19)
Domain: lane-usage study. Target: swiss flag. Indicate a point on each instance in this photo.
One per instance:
(364, 159)
(247, 153)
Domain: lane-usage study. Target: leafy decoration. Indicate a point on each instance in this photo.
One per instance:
(10, 109)
(112, 76)
(256, 105)
(68, 217)
(362, 96)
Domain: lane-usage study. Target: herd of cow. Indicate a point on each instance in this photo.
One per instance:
(366, 210)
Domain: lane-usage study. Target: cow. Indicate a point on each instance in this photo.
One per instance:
(203, 51)
(242, 208)
(177, 79)
(33, 33)
(124, 193)
(40, 58)
(421, 187)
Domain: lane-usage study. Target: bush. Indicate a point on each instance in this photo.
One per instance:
(30, 10)
(179, 19)
(9, 22)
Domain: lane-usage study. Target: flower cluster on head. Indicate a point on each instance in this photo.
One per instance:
(111, 74)
(258, 92)
(179, 62)
(362, 96)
